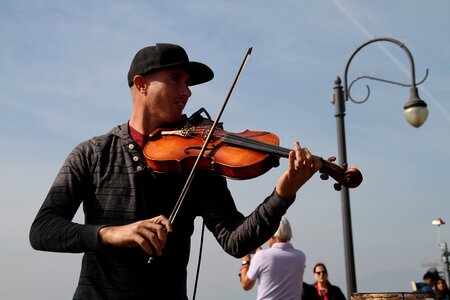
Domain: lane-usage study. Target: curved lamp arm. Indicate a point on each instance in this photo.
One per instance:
(415, 109)
(381, 80)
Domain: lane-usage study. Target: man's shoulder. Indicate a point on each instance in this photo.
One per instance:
(118, 134)
(120, 131)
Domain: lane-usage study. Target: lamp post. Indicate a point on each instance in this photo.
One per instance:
(415, 112)
(444, 251)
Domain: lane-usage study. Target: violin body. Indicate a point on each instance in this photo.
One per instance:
(174, 151)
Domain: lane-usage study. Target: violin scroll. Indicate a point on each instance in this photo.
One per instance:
(348, 177)
(353, 177)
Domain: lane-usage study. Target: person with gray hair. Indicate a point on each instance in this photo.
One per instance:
(278, 269)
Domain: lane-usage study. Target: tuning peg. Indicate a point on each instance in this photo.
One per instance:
(331, 158)
(337, 187)
(324, 176)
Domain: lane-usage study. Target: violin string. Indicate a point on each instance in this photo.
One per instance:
(327, 167)
(244, 142)
(336, 172)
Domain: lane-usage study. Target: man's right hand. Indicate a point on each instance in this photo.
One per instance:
(148, 234)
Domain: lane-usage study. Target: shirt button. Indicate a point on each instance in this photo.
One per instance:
(135, 158)
(139, 168)
(131, 146)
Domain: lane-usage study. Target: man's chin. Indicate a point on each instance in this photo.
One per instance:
(176, 122)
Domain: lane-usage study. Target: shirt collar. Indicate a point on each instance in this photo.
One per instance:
(283, 246)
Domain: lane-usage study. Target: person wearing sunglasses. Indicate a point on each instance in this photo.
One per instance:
(323, 289)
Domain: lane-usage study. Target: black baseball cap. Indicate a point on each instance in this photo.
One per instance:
(164, 55)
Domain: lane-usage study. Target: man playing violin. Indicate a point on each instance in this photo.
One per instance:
(126, 204)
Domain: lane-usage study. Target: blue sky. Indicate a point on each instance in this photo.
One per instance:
(63, 67)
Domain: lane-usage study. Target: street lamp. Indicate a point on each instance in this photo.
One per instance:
(416, 113)
(438, 222)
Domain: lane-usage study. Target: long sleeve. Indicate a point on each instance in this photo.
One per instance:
(53, 229)
(239, 235)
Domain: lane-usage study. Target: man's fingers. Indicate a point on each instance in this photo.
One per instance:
(142, 242)
(163, 221)
(151, 237)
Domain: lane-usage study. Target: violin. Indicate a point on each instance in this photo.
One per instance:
(240, 156)
(244, 155)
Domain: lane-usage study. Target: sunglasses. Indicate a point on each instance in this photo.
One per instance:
(321, 273)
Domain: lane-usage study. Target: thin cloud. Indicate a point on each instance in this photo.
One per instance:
(406, 70)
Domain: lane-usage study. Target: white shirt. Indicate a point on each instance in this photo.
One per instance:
(279, 271)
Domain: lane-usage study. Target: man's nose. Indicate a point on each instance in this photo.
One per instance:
(186, 91)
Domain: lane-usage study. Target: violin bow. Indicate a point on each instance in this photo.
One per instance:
(205, 144)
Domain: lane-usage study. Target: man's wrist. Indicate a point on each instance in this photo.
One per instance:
(245, 262)
(244, 268)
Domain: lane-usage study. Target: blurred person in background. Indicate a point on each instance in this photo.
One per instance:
(279, 269)
(323, 289)
(442, 292)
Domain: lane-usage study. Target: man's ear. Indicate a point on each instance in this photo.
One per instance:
(140, 83)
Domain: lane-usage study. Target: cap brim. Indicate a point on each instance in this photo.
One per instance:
(199, 73)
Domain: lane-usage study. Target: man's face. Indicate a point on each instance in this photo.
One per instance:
(167, 94)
